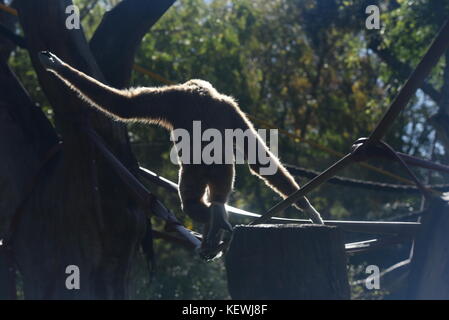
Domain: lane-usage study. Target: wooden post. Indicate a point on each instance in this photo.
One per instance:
(429, 270)
(287, 262)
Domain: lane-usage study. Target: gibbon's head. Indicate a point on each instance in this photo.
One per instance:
(50, 61)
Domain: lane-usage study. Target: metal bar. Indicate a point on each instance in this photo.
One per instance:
(376, 227)
(430, 59)
(173, 238)
(426, 192)
(312, 184)
(415, 161)
(128, 178)
(140, 191)
(373, 244)
(173, 187)
(188, 235)
(368, 227)
(157, 179)
(396, 273)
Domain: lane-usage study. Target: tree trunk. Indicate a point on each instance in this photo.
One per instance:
(300, 262)
(78, 212)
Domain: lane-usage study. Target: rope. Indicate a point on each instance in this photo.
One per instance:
(419, 185)
(423, 69)
(372, 227)
(312, 184)
(155, 76)
(152, 75)
(295, 137)
(361, 184)
(330, 151)
(8, 9)
(437, 48)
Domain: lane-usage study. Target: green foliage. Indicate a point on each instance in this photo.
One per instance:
(305, 66)
(179, 274)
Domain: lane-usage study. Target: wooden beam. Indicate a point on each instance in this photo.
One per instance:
(429, 268)
(270, 262)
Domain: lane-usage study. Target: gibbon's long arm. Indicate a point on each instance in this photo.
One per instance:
(93, 90)
(123, 104)
(158, 105)
(281, 181)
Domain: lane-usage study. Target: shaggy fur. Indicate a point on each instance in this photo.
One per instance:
(177, 106)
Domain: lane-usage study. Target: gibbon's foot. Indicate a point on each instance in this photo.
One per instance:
(214, 231)
(314, 215)
(49, 60)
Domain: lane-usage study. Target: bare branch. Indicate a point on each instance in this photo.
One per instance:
(11, 36)
(119, 35)
(403, 70)
(88, 8)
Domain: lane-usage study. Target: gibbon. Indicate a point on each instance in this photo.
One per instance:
(178, 106)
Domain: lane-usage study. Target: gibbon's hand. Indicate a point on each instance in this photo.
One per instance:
(213, 234)
(50, 61)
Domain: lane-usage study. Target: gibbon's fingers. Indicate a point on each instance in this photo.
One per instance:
(213, 234)
(49, 60)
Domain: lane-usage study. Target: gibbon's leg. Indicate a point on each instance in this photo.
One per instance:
(120, 103)
(192, 187)
(220, 179)
(220, 183)
(283, 183)
(280, 181)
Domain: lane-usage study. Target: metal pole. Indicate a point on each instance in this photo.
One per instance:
(430, 59)
(312, 184)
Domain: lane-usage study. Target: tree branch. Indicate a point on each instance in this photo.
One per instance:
(11, 36)
(8, 21)
(444, 99)
(88, 8)
(100, 224)
(129, 21)
(403, 70)
(25, 135)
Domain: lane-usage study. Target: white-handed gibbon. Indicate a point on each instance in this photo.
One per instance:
(177, 107)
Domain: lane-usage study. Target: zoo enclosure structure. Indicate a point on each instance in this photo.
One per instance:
(429, 234)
